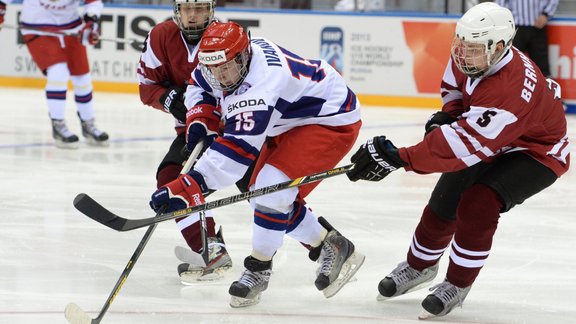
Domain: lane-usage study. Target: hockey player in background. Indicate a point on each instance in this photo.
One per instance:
(293, 117)
(62, 58)
(167, 61)
(499, 139)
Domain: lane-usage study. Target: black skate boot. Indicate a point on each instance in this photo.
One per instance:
(63, 137)
(93, 135)
(444, 297)
(404, 279)
(248, 289)
(219, 263)
(338, 263)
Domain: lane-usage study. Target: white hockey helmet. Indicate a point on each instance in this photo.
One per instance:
(478, 32)
(198, 15)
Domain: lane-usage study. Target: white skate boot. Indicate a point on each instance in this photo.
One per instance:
(444, 297)
(63, 137)
(219, 263)
(404, 279)
(248, 289)
(338, 263)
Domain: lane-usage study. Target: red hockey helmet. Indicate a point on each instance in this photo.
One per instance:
(224, 55)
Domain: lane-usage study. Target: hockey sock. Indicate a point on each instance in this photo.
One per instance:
(83, 95)
(191, 230)
(430, 240)
(477, 220)
(168, 173)
(304, 227)
(56, 86)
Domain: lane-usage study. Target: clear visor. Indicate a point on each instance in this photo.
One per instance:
(193, 18)
(471, 59)
(226, 76)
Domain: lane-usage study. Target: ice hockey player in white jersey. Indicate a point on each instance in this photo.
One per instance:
(63, 57)
(298, 117)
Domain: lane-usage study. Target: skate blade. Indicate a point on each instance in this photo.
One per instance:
(418, 287)
(191, 278)
(424, 315)
(349, 269)
(92, 142)
(239, 302)
(66, 146)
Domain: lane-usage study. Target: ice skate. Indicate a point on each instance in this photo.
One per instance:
(444, 297)
(63, 137)
(248, 289)
(404, 279)
(93, 135)
(338, 263)
(219, 263)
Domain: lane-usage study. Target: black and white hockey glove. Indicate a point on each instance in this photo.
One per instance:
(438, 119)
(173, 102)
(375, 160)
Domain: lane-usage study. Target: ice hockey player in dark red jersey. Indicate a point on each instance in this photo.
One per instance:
(499, 139)
(166, 63)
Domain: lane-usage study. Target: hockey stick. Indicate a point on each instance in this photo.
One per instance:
(74, 314)
(89, 207)
(63, 33)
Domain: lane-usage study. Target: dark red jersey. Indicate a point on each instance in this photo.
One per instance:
(511, 108)
(166, 60)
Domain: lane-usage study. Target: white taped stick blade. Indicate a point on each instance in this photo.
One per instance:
(75, 315)
(187, 255)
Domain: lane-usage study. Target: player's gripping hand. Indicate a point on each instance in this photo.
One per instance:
(202, 122)
(375, 160)
(173, 102)
(438, 119)
(2, 13)
(178, 194)
(90, 32)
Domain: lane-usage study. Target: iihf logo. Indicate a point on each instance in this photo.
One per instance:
(243, 88)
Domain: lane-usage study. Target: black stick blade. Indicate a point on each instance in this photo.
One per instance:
(89, 207)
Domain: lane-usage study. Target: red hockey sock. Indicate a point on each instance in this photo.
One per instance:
(432, 236)
(168, 173)
(192, 234)
(477, 220)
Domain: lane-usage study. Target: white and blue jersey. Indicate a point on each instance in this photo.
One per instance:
(55, 15)
(281, 91)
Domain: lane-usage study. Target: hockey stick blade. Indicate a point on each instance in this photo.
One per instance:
(75, 315)
(89, 207)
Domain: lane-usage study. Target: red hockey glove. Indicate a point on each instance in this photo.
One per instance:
(2, 13)
(90, 32)
(178, 194)
(202, 121)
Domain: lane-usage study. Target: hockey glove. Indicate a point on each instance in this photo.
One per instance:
(2, 13)
(375, 160)
(202, 121)
(173, 102)
(90, 32)
(438, 119)
(186, 191)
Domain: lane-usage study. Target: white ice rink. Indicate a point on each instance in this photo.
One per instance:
(51, 254)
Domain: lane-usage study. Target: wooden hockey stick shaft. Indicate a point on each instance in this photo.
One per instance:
(74, 314)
